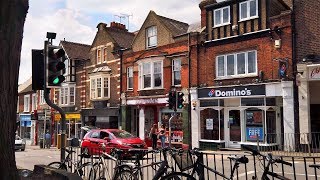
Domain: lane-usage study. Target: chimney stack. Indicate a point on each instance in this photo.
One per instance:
(118, 25)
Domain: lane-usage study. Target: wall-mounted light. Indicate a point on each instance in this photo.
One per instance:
(194, 105)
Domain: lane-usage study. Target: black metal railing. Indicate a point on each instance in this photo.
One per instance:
(219, 161)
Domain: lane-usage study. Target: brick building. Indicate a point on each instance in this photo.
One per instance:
(156, 64)
(307, 55)
(100, 77)
(242, 74)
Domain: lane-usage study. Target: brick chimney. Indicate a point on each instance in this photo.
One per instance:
(101, 26)
(118, 25)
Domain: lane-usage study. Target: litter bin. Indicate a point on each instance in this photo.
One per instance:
(41, 143)
(59, 141)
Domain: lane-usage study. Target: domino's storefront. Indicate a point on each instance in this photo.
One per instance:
(226, 117)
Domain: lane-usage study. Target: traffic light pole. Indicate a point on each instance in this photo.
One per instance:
(171, 118)
(54, 106)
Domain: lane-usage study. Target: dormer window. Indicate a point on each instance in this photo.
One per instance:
(221, 16)
(248, 10)
(151, 36)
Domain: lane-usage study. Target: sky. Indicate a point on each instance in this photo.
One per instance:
(76, 20)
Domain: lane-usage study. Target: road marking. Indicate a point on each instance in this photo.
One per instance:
(298, 174)
(50, 157)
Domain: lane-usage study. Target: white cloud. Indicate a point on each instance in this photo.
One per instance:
(70, 19)
(64, 22)
(187, 10)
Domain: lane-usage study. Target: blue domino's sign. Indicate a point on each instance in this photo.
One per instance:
(254, 132)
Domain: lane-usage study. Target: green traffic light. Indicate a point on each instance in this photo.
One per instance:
(56, 80)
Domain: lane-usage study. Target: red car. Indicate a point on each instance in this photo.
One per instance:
(113, 138)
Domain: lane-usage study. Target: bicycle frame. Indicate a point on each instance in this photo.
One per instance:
(199, 167)
(267, 172)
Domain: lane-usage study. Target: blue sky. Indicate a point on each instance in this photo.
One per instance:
(76, 20)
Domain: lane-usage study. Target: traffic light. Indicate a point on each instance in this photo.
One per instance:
(54, 66)
(172, 100)
(180, 100)
(37, 69)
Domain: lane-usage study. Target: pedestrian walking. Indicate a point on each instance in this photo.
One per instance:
(162, 135)
(153, 135)
(48, 139)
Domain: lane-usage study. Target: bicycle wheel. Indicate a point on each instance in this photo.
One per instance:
(178, 176)
(124, 174)
(84, 171)
(97, 171)
(58, 165)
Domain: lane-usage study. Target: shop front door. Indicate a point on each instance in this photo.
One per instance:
(234, 128)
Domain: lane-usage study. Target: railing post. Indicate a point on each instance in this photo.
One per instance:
(309, 142)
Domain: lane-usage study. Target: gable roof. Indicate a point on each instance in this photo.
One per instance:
(26, 86)
(76, 51)
(176, 27)
(122, 37)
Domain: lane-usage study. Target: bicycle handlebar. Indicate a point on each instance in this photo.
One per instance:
(283, 162)
(253, 151)
(242, 159)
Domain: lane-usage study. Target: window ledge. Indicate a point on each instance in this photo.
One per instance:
(220, 25)
(150, 89)
(209, 140)
(250, 18)
(236, 77)
(100, 99)
(66, 105)
(130, 90)
(177, 85)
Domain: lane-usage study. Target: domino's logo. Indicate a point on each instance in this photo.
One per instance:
(211, 92)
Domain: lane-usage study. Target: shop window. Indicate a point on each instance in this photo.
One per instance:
(271, 126)
(211, 124)
(252, 101)
(271, 101)
(176, 125)
(254, 124)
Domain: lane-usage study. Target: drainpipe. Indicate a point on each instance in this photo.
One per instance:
(294, 70)
(120, 107)
(189, 96)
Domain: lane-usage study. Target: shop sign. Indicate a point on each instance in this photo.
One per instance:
(68, 116)
(254, 132)
(209, 124)
(235, 91)
(314, 72)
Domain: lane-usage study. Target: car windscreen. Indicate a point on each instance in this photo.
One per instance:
(122, 134)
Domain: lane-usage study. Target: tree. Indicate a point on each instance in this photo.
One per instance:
(12, 17)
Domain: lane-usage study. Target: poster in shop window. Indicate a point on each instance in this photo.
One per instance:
(209, 124)
(254, 133)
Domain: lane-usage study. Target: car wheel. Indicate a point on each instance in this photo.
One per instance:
(22, 149)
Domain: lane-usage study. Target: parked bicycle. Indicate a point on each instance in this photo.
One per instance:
(198, 167)
(270, 161)
(164, 167)
(76, 166)
(101, 170)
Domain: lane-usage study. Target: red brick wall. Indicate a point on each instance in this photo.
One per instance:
(307, 27)
(203, 67)
(129, 59)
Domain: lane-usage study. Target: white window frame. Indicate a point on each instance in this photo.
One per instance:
(175, 69)
(26, 103)
(64, 95)
(154, 34)
(248, 10)
(42, 100)
(34, 102)
(105, 54)
(141, 73)
(129, 76)
(221, 16)
(99, 56)
(94, 88)
(236, 75)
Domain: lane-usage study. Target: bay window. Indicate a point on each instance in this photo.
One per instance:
(99, 87)
(67, 95)
(238, 64)
(150, 75)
